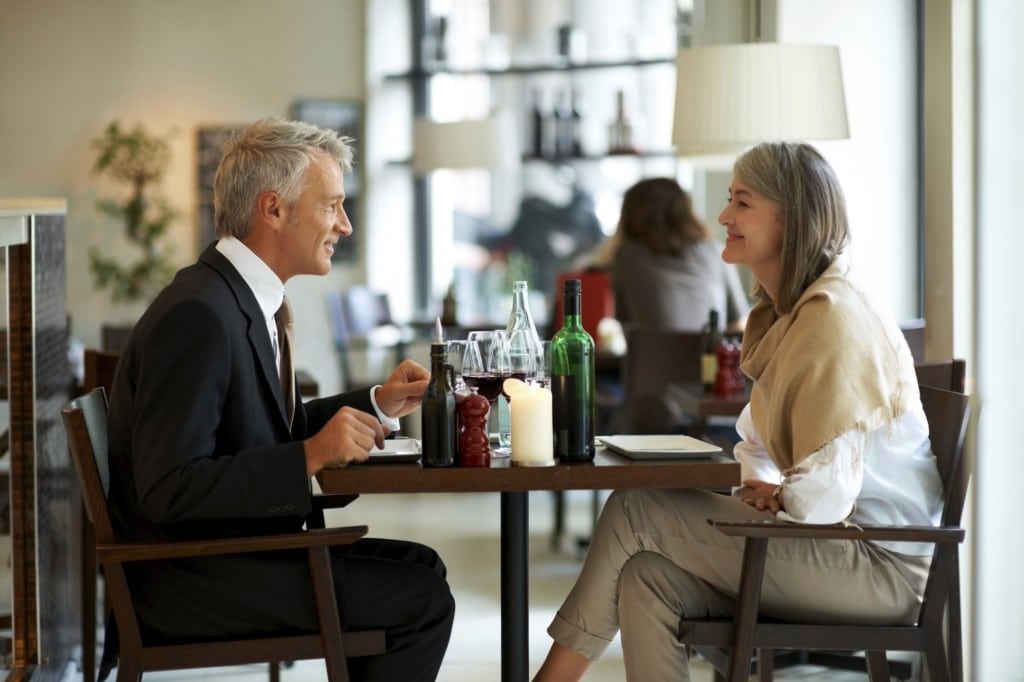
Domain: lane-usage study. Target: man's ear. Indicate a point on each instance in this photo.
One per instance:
(270, 209)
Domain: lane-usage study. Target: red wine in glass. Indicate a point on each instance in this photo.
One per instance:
(487, 384)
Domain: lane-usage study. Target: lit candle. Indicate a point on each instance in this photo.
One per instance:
(532, 430)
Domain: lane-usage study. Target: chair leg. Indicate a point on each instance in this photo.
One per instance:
(765, 665)
(275, 671)
(559, 521)
(878, 666)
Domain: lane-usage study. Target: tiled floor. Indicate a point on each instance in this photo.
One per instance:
(464, 529)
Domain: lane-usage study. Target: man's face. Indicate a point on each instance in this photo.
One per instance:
(316, 221)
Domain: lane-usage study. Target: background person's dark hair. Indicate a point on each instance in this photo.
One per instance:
(658, 213)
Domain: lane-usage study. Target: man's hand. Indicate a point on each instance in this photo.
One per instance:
(761, 495)
(403, 391)
(347, 437)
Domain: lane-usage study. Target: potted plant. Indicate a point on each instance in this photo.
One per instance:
(139, 159)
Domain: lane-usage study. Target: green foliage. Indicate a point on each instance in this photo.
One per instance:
(139, 159)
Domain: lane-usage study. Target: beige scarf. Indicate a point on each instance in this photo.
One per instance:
(831, 365)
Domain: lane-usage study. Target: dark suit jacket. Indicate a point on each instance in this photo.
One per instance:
(200, 447)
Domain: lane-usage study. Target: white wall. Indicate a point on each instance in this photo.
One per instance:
(999, 335)
(67, 68)
(876, 165)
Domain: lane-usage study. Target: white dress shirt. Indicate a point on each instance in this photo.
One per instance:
(269, 292)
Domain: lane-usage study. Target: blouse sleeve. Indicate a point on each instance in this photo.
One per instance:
(822, 488)
(750, 453)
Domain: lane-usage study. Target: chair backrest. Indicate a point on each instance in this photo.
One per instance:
(100, 367)
(948, 413)
(655, 359)
(913, 332)
(365, 309)
(85, 422)
(950, 375)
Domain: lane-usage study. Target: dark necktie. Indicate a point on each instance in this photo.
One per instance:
(286, 341)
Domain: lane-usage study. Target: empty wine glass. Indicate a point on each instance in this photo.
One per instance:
(456, 355)
(542, 370)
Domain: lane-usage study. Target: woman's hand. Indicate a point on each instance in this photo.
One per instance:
(763, 495)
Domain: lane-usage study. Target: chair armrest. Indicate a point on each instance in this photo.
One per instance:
(148, 551)
(780, 529)
(324, 501)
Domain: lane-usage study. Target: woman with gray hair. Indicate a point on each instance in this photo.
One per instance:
(834, 432)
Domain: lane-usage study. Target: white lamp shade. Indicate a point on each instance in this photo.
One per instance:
(730, 97)
(487, 143)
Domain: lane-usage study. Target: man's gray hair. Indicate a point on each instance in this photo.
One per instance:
(271, 155)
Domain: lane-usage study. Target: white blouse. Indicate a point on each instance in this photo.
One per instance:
(887, 476)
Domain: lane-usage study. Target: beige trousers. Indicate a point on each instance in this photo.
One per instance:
(653, 558)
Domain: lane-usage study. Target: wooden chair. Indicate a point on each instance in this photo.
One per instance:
(99, 366)
(950, 375)
(729, 644)
(85, 423)
(913, 332)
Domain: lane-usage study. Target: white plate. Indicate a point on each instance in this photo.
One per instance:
(397, 450)
(668, 446)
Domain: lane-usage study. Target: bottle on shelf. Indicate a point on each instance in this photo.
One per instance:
(450, 308)
(440, 426)
(575, 126)
(709, 356)
(563, 127)
(620, 132)
(538, 128)
(573, 375)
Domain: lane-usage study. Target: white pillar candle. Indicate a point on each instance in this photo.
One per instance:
(532, 430)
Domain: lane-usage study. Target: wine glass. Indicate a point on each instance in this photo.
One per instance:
(542, 371)
(456, 356)
(486, 365)
(485, 362)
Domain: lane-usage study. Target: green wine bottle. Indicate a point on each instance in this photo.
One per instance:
(572, 382)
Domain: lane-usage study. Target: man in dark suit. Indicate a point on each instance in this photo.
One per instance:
(202, 444)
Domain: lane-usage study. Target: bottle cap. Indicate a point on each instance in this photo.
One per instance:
(572, 286)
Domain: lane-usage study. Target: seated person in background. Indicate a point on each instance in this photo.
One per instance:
(834, 431)
(202, 444)
(667, 271)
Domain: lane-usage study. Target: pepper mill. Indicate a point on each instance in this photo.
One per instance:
(474, 445)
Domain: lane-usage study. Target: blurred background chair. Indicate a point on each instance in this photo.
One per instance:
(729, 644)
(655, 360)
(367, 339)
(85, 424)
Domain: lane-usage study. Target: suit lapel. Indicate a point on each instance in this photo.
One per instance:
(256, 331)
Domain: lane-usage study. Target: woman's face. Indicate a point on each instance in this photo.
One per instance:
(754, 225)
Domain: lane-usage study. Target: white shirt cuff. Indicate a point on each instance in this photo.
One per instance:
(391, 422)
